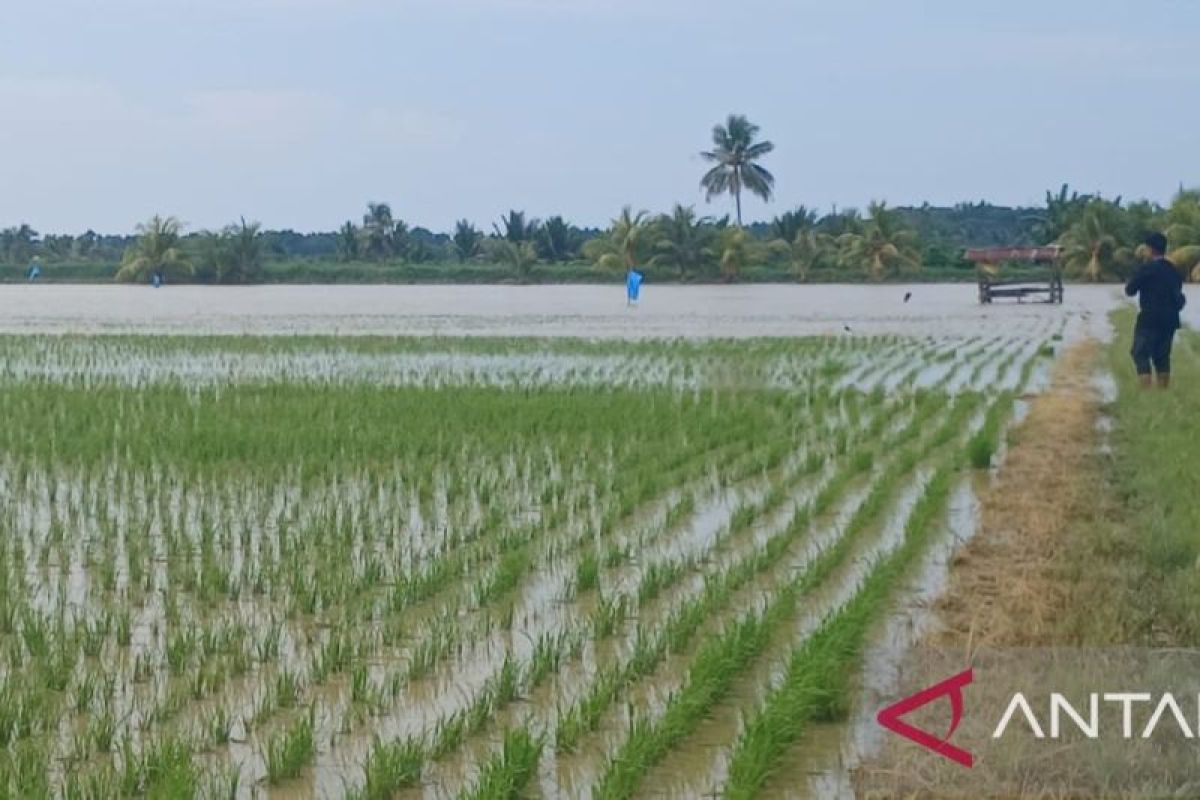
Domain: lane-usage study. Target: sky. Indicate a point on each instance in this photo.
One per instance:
(296, 113)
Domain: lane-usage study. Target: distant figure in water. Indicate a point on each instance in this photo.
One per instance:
(907, 296)
(633, 286)
(35, 269)
(156, 278)
(846, 328)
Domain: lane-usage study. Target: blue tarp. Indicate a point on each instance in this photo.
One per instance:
(633, 285)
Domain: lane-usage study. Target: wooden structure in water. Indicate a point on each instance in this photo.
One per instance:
(992, 285)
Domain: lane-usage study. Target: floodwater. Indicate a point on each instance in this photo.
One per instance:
(587, 311)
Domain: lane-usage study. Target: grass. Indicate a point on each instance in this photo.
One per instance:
(1143, 542)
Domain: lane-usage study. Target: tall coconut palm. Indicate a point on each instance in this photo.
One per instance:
(157, 248)
(1183, 232)
(885, 243)
(1096, 244)
(626, 243)
(683, 241)
(734, 153)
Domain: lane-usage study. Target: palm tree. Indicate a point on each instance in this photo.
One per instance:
(377, 231)
(243, 254)
(1096, 243)
(1183, 232)
(513, 227)
(157, 248)
(557, 240)
(735, 153)
(807, 249)
(626, 243)
(886, 243)
(521, 256)
(683, 241)
(347, 242)
(838, 223)
(467, 240)
(1061, 210)
(790, 223)
(733, 253)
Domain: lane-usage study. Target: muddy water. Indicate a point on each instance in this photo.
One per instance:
(590, 311)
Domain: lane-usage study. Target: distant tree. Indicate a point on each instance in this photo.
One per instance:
(243, 253)
(683, 241)
(18, 244)
(86, 243)
(60, 247)
(419, 251)
(1062, 209)
(557, 241)
(627, 243)
(838, 223)
(400, 243)
(807, 250)
(884, 244)
(735, 153)
(520, 256)
(378, 229)
(513, 227)
(790, 223)
(734, 249)
(1183, 232)
(347, 242)
(157, 247)
(467, 241)
(1097, 244)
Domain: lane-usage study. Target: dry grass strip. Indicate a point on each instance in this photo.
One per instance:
(1008, 586)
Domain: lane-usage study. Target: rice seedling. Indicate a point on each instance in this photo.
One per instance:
(291, 750)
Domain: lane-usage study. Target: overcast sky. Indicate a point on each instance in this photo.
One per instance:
(297, 112)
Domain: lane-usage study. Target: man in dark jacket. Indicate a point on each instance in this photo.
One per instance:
(1159, 288)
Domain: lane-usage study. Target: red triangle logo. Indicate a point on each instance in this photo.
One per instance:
(952, 688)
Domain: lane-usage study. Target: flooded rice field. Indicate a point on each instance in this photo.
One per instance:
(584, 311)
(313, 566)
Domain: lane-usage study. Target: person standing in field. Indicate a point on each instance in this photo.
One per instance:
(1159, 288)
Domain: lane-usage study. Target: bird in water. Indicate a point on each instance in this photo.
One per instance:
(907, 296)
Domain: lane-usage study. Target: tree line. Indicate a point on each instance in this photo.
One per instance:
(1099, 236)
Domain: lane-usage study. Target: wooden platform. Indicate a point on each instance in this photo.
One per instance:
(1048, 291)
